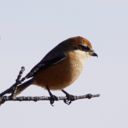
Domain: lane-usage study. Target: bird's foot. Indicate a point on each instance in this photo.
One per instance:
(52, 99)
(69, 99)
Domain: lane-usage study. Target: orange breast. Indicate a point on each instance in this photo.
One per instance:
(60, 75)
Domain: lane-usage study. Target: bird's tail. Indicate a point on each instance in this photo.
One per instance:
(23, 86)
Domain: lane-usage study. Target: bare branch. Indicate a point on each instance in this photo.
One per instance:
(20, 74)
(23, 98)
(13, 88)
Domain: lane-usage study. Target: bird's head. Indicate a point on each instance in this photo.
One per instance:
(80, 46)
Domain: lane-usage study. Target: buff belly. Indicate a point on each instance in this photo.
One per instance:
(60, 75)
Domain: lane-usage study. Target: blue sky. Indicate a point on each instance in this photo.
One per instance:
(29, 29)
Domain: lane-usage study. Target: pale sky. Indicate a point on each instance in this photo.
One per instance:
(29, 29)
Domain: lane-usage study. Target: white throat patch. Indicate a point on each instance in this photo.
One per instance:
(82, 55)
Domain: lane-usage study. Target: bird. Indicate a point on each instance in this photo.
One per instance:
(60, 67)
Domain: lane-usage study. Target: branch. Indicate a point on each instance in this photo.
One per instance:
(13, 88)
(23, 98)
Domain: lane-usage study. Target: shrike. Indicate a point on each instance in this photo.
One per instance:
(60, 67)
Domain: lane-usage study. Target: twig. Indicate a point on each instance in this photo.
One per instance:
(23, 98)
(13, 88)
(20, 74)
(17, 81)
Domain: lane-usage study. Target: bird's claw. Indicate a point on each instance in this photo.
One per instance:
(52, 99)
(69, 99)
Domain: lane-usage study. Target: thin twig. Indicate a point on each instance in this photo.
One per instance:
(23, 98)
(13, 88)
(17, 81)
(20, 74)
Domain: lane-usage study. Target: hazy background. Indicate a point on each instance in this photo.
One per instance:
(29, 29)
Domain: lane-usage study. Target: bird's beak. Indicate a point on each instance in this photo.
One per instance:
(92, 53)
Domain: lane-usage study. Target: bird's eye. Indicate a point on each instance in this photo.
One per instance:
(84, 48)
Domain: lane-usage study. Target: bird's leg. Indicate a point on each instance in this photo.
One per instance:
(52, 97)
(70, 98)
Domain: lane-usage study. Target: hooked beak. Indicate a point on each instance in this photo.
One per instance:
(92, 53)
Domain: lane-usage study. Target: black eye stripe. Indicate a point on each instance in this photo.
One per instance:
(75, 48)
(84, 48)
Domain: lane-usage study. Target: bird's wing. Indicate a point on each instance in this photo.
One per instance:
(48, 60)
